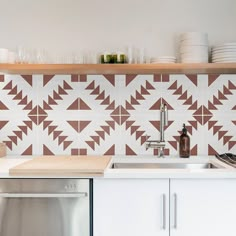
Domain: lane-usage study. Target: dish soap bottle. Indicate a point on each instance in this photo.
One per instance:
(184, 143)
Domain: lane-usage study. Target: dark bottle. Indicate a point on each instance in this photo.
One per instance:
(184, 143)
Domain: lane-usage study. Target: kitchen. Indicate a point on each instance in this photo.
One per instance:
(113, 114)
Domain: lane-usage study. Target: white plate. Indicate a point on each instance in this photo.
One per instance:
(223, 61)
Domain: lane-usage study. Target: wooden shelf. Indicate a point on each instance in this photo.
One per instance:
(178, 68)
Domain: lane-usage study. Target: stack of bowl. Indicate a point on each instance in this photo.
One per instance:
(224, 53)
(193, 47)
(163, 59)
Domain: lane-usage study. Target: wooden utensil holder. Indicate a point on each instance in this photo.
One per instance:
(3, 150)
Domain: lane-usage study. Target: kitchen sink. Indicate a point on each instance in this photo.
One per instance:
(208, 165)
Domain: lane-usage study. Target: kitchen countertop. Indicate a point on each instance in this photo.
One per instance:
(225, 172)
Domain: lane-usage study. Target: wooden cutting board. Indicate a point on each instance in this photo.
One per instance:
(62, 166)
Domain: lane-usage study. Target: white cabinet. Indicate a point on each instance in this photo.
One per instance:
(203, 207)
(131, 207)
(163, 207)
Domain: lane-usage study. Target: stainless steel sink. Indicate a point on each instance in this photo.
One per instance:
(136, 165)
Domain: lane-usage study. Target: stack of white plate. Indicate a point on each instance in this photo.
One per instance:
(193, 47)
(224, 53)
(163, 59)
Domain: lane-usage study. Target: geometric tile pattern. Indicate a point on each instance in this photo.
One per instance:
(115, 114)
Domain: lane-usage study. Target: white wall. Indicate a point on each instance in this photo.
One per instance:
(64, 26)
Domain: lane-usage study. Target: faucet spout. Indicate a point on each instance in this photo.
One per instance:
(163, 121)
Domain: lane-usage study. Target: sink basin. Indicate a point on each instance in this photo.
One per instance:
(164, 166)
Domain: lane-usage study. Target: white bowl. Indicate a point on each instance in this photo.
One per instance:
(3, 55)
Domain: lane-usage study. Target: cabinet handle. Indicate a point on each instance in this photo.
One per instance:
(163, 212)
(175, 211)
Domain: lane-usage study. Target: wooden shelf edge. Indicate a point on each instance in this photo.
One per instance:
(177, 68)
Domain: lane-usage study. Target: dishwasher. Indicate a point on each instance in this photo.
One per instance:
(46, 207)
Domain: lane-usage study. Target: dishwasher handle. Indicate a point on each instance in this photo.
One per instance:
(44, 195)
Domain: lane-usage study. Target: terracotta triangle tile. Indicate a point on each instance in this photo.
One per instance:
(177, 137)
(174, 144)
(61, 91)
(56, 134)
(101, 134)
(28, 79)
(74, 124)
(169, 107)
(46, 106)
(46, 124)
(139, 134)
(233, 121)
(83, 78)
(2, 78)
(144, 91)
(211, 150)
(73, 106)
(47, 151)
(96, 139)
(106, 129)
(144, 139)
(231, 85)
(23, 101)
(3, 106)
(41, 119)
(156, 124)
(29, 124)
(194, 124)
(129, 123)
(123, 119)
(19, 134)
(156, 105)
(129, 151)
(178, 91)
(139, 96)
(8, 144)
(117, 119)
(212, 78)
(47, 79)
(226, 91)
(41, 111)
(231, 144)
(111, 124)
(18, 96)
(134, 101)
(28, 151)
(116, 112)
(134, 129)
(91, 86)
(129, 79)
(128, 106)
(83, 105)
(96, 91)
(23, 129)
(165, 77)
(211, 124)
(51, 101)
(206, 119)
(189, 129)
(29, 106)
(183, 96)
(8, 86)
(199, 111)
(110, 151)
(199, 119)
(193, 79)
(51, 128)
(66, 86)
(173, 86)
(91, 144)
(211, 106)
(111, 106)
(216, 101)
(194, 151)
(34, 111)
(75, 78)
(221, 96)
(234, 108)
(56, 96)
(206, 111)
(3, 123)
(149, 86)
(13, 139)
(123, 111)
(34, 119)
(110, 78)
(194, 106)
(227, 139)
(157, 78)
(83, 124)
(61, 139)
(216, 129)
(106, 101)
(221, 134)
(188, 101)
(101, 96)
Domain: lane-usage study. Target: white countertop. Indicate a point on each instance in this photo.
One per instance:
(225, 172)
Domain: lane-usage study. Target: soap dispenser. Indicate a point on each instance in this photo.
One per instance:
(184, 143)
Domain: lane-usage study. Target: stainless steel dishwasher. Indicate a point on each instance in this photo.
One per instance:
(45, 207)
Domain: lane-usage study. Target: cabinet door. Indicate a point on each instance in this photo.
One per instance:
(131, 207)
(203, 207)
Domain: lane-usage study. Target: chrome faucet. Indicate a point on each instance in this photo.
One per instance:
(160, 144)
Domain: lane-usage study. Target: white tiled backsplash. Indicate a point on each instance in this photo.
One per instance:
(114, 114)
